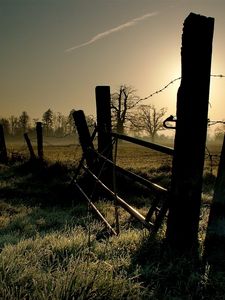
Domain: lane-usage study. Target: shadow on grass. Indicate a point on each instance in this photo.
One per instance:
(37, 198)
(166, 275)
(36, 182)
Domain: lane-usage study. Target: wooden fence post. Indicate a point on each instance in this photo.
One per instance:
(84, 137)
(3, 150)
(29, 145)
(103, 105)
(39, 140)
(190, 138)
(215, 237)
(104, 126)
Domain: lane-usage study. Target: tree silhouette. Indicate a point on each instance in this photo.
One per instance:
(122, 102)
(14, 124)
(149, 119)
(24, 120)
(47, 120)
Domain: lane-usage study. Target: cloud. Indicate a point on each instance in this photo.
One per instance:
(102, 35)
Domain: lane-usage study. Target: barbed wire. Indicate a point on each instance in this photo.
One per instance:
(217, 75)
(171, 82)
(160, 90)
(211, 123)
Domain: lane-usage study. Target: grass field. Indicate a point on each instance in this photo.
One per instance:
(52, 247)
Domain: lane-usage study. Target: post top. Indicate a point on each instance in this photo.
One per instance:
(198, 17)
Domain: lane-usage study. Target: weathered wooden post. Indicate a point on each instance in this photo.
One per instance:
(29, 145)
(104, 126)
(84, 137)
(39, 140)
(103, 106)
(3, 150)
(190, 138)
(215, 237)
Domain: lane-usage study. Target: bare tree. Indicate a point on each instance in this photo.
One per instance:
(14, 124)
(59, 124)
(70, 123)
(149, 119)
(122, 103)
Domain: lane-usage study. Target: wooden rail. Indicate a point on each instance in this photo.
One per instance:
(153, 146)
(132, 175)
(94, 208)
(121, 202)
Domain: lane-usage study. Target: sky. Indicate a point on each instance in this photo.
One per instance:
(55, 52)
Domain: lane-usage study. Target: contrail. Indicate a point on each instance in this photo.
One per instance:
(102, 35)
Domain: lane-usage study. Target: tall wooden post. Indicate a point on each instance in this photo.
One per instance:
(215, 237)
(39, 140)
(3, 151)
(191, 129)
(103, 105)
(84, 137)
(104, 126)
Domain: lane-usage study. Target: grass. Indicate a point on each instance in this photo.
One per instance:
(52, 247)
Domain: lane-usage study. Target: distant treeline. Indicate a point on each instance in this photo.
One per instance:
(54, 124)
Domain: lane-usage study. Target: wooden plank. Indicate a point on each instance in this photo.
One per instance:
(153, 146)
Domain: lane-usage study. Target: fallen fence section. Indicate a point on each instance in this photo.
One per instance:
(121, 202)
(94, 158)
(146, 221)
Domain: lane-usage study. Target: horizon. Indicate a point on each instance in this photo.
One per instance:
(55, 54)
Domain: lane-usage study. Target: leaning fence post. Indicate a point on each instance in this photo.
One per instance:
(84, 137)
(3, 151)
(29, 145)
(191, 129)
(39, 140)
